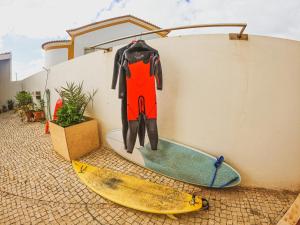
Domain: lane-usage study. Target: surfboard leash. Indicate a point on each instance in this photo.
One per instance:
(205, 203)
(217, 165)
(229, 182)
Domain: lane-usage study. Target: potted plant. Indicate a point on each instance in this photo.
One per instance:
(25, 105)
(39, 113)
(4, 108)
(26, 111)
(10, 104)
(73, 134)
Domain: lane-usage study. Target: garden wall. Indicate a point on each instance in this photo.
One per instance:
(240, 99)
(8, 88)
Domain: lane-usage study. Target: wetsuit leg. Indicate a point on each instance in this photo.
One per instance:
(142, 126)
(152, 133)
(133, 126)
(124, 120)
(142, 129)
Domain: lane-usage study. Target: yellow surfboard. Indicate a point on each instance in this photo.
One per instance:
(137, 193)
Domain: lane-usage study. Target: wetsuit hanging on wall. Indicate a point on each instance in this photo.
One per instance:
(142, 67)
(118, 73)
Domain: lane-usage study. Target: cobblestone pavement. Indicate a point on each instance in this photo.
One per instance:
(38, 187)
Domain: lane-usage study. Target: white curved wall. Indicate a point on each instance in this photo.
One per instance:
(55, 56)
(240, 99)
(106, 34)
(8, 88)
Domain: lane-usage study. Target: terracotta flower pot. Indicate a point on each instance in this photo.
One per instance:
(75, 141)
(39, 116)
(29, 116)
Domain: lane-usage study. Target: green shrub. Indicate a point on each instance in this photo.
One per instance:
(40, 106)
(75, 102)
(10, 104)
(24, 104)
(23, 98)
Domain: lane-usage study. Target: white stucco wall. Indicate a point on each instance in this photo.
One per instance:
(55, 56)
(240, 99)
(8, 88)
(105, 34)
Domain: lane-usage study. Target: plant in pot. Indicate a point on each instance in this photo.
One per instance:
(26, 112)
(25, 105)
(73, 134)
(10, 104)
(39, 113)
(4, 108)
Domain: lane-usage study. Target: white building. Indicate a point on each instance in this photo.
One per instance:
(95, 33)
(8, 87)
(56, 52)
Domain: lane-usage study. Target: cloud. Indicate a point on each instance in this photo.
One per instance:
(26, 24)
(21, 69)
(26, 52)
(270, 17)
(49, 19)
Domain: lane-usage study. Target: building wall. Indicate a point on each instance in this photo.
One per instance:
(55, 56)
(105, 34)
(8, 88)
(240, 99)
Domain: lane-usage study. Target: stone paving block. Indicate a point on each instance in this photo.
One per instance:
(38, 187)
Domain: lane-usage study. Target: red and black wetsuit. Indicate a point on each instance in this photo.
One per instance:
(118, 73)
(142, 67)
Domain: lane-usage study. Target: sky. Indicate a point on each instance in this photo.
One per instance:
(26, 24)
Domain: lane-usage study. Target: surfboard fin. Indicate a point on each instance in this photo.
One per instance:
(171, 216)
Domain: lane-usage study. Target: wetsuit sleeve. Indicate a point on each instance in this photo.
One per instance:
(123, 72)
(116, 70)
(122, 82)
(152, 62)
(158, 73)
(125, 67)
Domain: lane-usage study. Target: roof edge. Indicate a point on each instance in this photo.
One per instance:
(125, 18)
(56, 44)
(5, 55)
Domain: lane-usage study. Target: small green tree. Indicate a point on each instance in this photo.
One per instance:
(24, 103)
(23, 98)
(75, 102)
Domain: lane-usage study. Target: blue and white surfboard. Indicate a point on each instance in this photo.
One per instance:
(179, 162)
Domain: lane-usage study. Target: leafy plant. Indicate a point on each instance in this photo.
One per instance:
(24, 104)
(40, 106)
(4, 108)
(10, 104)
(25, 111)
(23, 98)
(75, 102)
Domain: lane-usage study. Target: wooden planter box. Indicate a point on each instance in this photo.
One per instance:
(75, 141)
